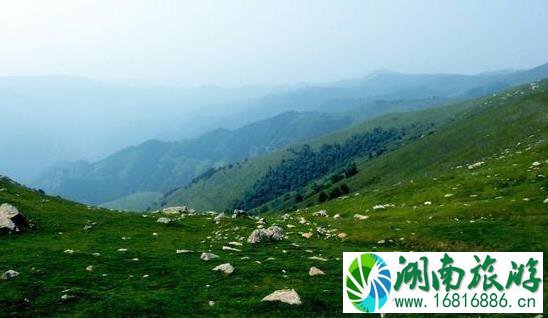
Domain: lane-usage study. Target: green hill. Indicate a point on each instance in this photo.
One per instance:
(157, 166)
(458, 134)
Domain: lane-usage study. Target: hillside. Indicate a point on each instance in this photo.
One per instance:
(157, 166)
(135, 270)
(474, 119)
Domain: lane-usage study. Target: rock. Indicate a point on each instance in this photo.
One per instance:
(9, 274)
(225, 268)
(183, 251)
(177, 210)
(288, 296)
(208, 256)
(89, 268)
(307, 235)
(317, 258)
(342, 235)
(321, 213)
(427, 202)
(261, 221)
(336, 216)
(545, 200)
(211, 303)
(69, 251)
(219, 217)
(381, 242)
(314, 271)
(360, 217)
(238, 214)
(163, 220)
(87, 227)
(11, 220)
(475, 165)
(228, 248)
(273, 233)
(235, 243)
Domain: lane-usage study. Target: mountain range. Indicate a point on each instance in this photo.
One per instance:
(148, 170)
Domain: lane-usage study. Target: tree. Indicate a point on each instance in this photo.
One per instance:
(323, 197)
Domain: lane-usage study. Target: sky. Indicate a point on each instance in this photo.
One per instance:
(238, 43)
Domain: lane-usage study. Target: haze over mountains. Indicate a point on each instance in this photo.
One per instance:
(155, 167)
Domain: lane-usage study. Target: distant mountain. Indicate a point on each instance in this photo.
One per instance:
(345, 95)
(102, 117)
(157, 166)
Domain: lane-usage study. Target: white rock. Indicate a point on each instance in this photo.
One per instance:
(183, 251)
(336, 216)
(89, 268)
(228, 248)
(307, 235)
(225, 268)
(69, 251)
(288, 296)
(321, 213)
(211, 303)
(208, 256)
(11, 220)
(475, 165)
(163, 220)
(9, 274)
(342, 235)
(273, 233)
(427, 202)
(360, 217)
(314, 271)
(122, 250)
(219, 217)
(317, 258)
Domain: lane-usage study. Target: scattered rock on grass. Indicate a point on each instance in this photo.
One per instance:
(225, 268)
(314, 271)
(208, 256)
(9, 274)
(163, 220)
(288, 296)
(273, 233)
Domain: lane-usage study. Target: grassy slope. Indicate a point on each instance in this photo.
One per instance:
(139, 201)
(182, 285)
(220, 190)
(471, 135)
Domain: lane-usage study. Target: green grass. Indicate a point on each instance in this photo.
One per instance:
(140, 201)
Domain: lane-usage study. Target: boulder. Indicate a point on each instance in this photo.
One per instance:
(208, 256)
(288, 296)
(9, 274)
(321, 213)
(163, 220)
(225, 268)
(239, 214)
(219, 217)
(314, 271)
(273, 233)
(177, 210)
(307, 235)
(11, 220)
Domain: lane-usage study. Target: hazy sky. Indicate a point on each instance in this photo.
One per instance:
(266, 42)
